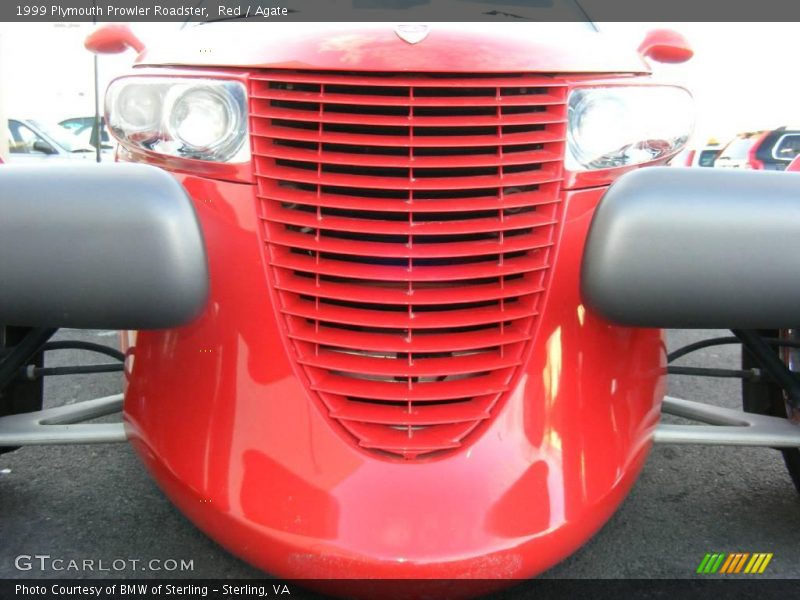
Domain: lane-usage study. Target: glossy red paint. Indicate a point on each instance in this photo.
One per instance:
(460, 321)
(237, 172)
(794, 166)
(220, 416)
(752, 161)
(221, 411)
(666, 46)
(449, 47)
(113, 38)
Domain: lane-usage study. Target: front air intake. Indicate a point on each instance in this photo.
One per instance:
(409, 222)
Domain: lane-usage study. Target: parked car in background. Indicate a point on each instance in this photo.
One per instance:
(84, 128)
(778, 149)
(771, 150)
(707, 156)
(740, 153)
(31, 140)
(698, 157)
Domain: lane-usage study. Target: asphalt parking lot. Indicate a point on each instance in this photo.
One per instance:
(97, 501)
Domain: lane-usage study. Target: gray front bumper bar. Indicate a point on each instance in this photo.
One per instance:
(98, 246)
(696, 248)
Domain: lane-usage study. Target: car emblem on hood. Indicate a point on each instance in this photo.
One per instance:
(413, 34)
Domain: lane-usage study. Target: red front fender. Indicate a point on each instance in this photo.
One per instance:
(222, 419)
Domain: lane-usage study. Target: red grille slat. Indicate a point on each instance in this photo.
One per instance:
(367, 100)
(294, 239)
(435, 391)
(423, 367)
(399, 294)
(418, 162)
(547, 173)
(464, 317)
(463, 139)
(397, 342)
(364, 225)
(389, 414)
(409, 220)
(410, 442)
(268, 188)
(290, 114)
(377, 80)
(283, 258)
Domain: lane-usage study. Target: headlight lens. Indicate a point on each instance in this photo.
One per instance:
(139, 108)
(203, 119)
(620, 126)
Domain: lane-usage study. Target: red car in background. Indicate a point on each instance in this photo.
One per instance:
(697, 157)
(740, 152)
(780, 148)
(764, 150)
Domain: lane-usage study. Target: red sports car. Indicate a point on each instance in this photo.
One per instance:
(373, 340)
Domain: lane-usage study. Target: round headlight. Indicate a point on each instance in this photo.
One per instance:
(204, 120)
(185, 117)
(617, 126)
(597, 125)
(139, 107)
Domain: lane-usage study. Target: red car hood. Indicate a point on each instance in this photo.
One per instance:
(448, 47)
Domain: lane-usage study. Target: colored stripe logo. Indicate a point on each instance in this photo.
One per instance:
(734, 563)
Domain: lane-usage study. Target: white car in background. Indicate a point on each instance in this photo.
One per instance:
(697, 157)
(32, 141)
(86, 130)
(740, 153)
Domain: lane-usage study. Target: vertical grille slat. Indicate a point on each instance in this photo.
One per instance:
(409, 220)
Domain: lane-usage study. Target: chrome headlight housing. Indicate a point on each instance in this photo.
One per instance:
(185, 117)
(618, 126)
